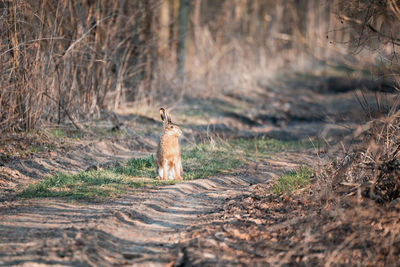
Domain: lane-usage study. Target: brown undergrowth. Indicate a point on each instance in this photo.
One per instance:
(350, 215)
(258, 229)
(372, 168)
(361, 193)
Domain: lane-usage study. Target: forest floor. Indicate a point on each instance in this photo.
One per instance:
(231, 217)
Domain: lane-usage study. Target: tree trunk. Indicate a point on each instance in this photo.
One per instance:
(183, 19)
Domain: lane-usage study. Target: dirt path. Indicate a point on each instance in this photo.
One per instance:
(142, 228)
(178, 224)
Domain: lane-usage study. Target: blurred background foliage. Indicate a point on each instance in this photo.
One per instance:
(64, 61)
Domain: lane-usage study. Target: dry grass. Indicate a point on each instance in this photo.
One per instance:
(65, 61)
(372, 168)
(360, 196)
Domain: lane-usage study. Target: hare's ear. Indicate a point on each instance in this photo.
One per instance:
(168, 117)
(163, 114)
(165, 117)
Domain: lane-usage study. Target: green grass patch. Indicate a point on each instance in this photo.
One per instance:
(266, 146)
(58, 133)
(97, 184)
(199, 161)
(293, 180)
(138, 167)
(206, 159)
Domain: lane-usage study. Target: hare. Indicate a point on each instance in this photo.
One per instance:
(168, 162)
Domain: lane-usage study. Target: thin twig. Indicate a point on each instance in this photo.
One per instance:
(84, 35)
(32, 41)
(395, 41)
(66, 112)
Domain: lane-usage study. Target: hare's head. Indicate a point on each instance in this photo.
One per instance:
(169, 127)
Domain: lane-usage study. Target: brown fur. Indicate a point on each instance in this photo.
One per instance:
(168, 164)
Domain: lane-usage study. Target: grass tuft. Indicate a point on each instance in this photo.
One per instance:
(293, 180)
(139, 167)
(58, 133)
(205, 160)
